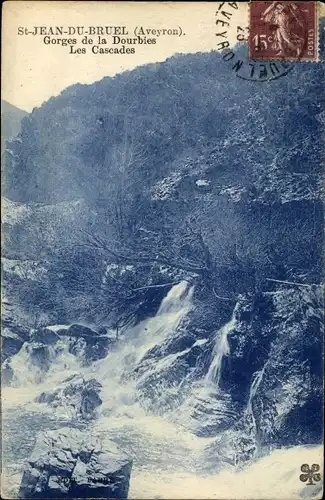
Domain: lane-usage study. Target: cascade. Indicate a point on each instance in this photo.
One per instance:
(256, 381)
(221, 349)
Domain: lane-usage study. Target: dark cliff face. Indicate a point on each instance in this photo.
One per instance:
(279, 335)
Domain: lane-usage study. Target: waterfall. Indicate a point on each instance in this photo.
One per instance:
(151, 440)
(256, 381)
(221, 349)
(178, 297)
(138, 340)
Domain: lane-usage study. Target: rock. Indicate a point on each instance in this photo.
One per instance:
(86, 343)
(44, 336)
(70, 463)
(78, 347)
(172, 345)
(91, 348)
(80, 331)
(77, 396)
(29, 365)
(164, 376)
(40, 355)
(11, 343)
(274, 366)
(7, 373)
(211, 411)
(235, 446)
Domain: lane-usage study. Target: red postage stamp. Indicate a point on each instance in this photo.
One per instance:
(283, 30)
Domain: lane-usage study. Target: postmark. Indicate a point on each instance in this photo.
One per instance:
(283, 31)
(237, 57)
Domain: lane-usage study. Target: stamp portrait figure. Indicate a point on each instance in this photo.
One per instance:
(284, 18)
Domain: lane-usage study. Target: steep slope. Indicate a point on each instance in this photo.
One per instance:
(155, 121)
(34, 231)
(184, 165)
(33, 236)
(11, 118)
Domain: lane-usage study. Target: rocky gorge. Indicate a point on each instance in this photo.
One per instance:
(162, 286)
(239, 396)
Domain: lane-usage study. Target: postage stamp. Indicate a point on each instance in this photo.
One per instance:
(283, 30)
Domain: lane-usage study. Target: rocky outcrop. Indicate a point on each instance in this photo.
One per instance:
(11, 343)
(90, 349)
(273, 373)
(14, 330)
(275, 363)
(165, 374)
(7, 373)
(44, 335)
(70, 463)
(76, 396)
(40, 355)
(87, 344)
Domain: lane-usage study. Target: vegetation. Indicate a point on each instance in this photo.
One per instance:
(187, 171)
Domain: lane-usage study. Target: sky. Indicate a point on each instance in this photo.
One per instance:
(32, 71)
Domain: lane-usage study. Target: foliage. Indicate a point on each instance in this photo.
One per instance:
(181, 164)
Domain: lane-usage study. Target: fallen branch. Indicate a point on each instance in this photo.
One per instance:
(155, 286)
(98, 243)
(221, 298)
(288, 282)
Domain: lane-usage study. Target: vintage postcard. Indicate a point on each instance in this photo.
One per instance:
(162, 259)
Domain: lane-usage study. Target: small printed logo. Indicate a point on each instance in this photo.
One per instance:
(310, 474)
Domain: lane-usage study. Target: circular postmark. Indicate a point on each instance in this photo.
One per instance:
(237, 57)
(256, 71)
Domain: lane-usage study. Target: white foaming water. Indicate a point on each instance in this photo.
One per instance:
(273, 477)
(167, 458)
(220, 350)
(30, 380)
(256, 381)
(119, 396)
(152, 441)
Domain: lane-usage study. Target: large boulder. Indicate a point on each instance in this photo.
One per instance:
(76, 396)
(91, 348)
(11, 343)
(87, 344)
(76, 330)
(44, 335)
(71, 463)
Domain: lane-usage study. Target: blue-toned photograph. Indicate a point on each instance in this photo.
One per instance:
(162, 270)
